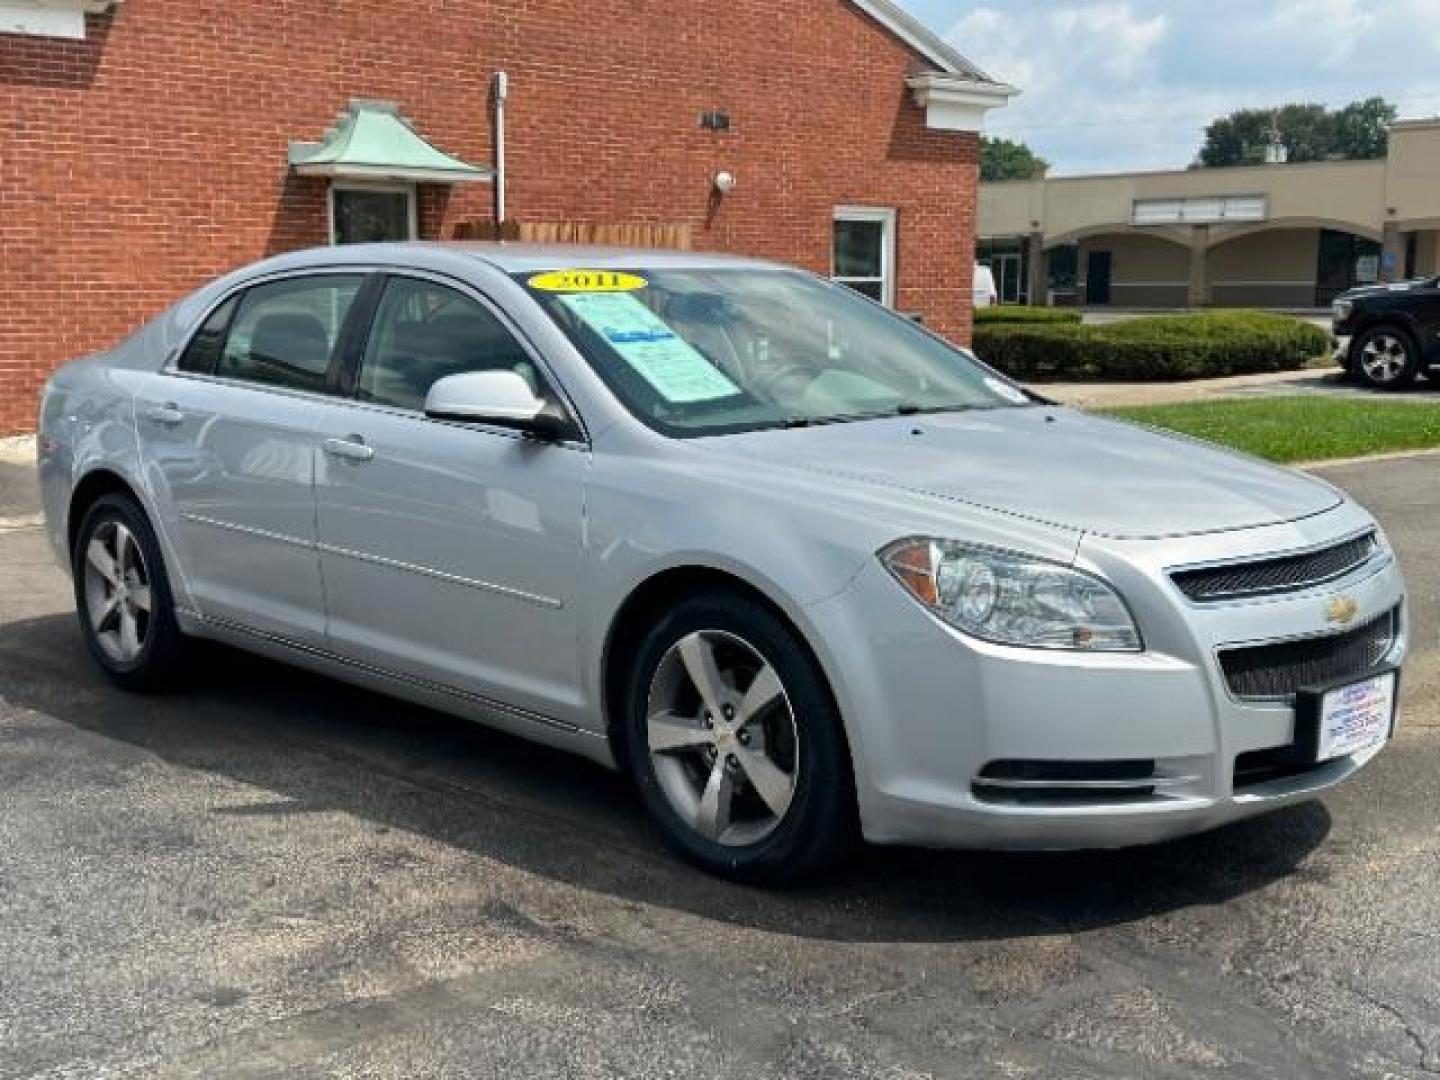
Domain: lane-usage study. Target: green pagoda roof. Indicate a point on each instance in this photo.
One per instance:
(371, 140)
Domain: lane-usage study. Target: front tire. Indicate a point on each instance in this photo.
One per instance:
(1385, 358)
(122, 595)
(736, 744)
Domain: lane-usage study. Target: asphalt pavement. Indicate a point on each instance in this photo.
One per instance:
(267, 874)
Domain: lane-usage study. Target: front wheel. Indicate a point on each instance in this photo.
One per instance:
(122, 594)
(736, 744)
(1385, 358)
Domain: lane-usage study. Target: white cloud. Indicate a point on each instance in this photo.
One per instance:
(1329, 30)
(1122, 84)
(1111, 36)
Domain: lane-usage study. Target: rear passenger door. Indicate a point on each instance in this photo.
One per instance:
(450, 552)
(228, 438)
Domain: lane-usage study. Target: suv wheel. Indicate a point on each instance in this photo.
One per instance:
(1385, 358)
(736, 744)
(122, 594)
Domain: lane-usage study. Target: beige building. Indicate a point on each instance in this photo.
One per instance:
(1280, 236)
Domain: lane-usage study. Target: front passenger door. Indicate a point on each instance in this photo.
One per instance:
(450, 553)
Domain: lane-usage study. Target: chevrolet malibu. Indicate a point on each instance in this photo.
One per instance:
(802, 569)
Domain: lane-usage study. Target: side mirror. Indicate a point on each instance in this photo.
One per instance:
(502, 398)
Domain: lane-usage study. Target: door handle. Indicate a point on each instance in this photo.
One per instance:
(168, 414)
(352, 448)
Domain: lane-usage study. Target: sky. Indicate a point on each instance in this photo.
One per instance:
(1112, 85)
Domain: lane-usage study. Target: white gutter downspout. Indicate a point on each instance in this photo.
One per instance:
(502, 86)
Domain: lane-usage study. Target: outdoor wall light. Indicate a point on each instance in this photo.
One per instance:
(724, 183)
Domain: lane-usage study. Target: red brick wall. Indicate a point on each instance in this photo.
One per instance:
(145, 160)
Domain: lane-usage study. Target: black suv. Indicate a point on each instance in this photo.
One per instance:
(1385, 335)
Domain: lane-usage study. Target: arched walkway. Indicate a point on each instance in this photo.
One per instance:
(1122, 266)
(1290, 265)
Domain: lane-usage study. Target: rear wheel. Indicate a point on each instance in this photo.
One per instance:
(1385, 357)
(122, 594)
(736, 744)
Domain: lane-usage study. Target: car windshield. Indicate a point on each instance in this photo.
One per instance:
(711, 351)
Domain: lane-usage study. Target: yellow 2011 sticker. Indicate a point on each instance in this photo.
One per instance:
(587, 281)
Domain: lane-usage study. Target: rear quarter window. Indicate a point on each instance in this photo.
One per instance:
(202, 355)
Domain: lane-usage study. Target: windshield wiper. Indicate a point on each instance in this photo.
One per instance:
(852, 418)
(905, 408)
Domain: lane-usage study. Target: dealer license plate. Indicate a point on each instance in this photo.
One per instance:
(1356, 716)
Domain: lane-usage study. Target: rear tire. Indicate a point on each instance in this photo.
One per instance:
(123, 597)
(1385, 358)
(736, 744)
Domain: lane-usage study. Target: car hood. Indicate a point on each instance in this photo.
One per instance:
(1364, 292)
(1051, 465)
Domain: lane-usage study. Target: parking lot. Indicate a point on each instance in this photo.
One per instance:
(268, 874)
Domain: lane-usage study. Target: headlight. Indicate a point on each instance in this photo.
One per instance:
(1382, 541)
(1341, 310)
(1012, 599)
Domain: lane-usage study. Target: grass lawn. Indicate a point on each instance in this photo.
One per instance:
(1300, 428)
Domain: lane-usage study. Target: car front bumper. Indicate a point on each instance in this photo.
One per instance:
(928, 711)
(1341, 348)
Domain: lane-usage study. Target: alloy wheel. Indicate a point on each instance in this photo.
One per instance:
(722, 738)
(117, 591)
(1383, 358)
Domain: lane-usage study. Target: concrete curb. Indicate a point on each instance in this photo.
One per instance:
(1365, 459)
(18, 450)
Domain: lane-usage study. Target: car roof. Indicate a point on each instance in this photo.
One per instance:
(517, 257)
(510, 257)
(454, 257)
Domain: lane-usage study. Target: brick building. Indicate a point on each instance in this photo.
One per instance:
(148, 145)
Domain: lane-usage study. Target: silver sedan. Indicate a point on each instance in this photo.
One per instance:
(803, 570)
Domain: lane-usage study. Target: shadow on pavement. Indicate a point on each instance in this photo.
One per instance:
(320, 745)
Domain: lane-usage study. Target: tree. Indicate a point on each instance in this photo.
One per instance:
(1308, 133)
(1360, 128)
(1001, 159)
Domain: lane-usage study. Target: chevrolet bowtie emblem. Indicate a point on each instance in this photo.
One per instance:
(1341, 610)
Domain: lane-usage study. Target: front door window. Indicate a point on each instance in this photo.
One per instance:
(424, 332)
(362, 215)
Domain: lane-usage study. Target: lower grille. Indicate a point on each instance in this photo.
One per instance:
(1032, 782)
(1277, 671)
(1279, 763)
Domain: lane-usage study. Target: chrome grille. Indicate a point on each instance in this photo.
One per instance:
(1054, 783)
(1285, 573)
(1278, 670)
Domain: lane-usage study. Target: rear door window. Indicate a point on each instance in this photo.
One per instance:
(284, 333)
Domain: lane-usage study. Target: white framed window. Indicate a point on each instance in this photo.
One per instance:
(50, 18)
(362, 212)
(862, 253)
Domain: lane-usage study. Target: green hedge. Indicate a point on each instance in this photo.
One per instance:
(1027, 315)
(1155, 349)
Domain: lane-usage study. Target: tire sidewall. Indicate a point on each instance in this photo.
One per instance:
(1412, 357)
(162, 637)
(819, 824)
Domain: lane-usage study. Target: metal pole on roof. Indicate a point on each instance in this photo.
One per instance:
(501, 86)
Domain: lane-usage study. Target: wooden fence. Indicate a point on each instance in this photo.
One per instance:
(642, 234)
